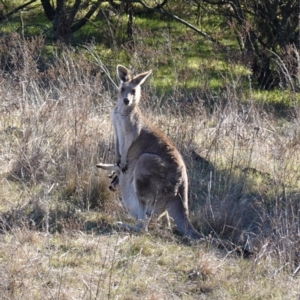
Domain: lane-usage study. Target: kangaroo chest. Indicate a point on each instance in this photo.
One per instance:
(126, 129)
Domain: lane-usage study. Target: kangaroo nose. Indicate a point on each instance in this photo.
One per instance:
(126, 101)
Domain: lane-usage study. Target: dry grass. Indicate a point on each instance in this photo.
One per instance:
(75, 265)
(58, 238)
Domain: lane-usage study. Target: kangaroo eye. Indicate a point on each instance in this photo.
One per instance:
(122, 89)
(133, 92)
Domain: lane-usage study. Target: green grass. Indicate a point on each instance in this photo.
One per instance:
(178, 50)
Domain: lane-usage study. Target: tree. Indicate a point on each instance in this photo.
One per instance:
(268, 34)
(63, 16)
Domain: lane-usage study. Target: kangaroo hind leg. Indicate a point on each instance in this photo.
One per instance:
(152, 187)
(179, 213)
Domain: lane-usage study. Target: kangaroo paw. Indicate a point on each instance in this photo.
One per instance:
(112, 175)
(123, 167)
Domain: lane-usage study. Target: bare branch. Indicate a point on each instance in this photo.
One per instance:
(88, 15)
(74, 10)
(209, 37)
(160, 8)
(17, 9)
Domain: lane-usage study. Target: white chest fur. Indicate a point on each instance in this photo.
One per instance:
(126, 129)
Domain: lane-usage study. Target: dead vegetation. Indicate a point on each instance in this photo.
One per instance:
(57, 216)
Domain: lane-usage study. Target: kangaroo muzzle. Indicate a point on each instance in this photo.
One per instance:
(126, 101)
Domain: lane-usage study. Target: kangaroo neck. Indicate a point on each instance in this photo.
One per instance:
(124, 110)
(128, 111)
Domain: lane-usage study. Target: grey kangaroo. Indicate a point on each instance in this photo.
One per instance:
(150, 171)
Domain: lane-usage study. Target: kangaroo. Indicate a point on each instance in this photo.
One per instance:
(114, 174)
(151, 172)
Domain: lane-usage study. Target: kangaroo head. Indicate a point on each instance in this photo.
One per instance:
(130, 87)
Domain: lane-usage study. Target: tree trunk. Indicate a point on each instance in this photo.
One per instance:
(61, 27)
(262, 72)
(48, 9)
(129, 10)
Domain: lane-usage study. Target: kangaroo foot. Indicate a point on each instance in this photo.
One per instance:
(128, 227)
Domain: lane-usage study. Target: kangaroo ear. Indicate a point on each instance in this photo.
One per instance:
(139, 79)
(123, 73)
